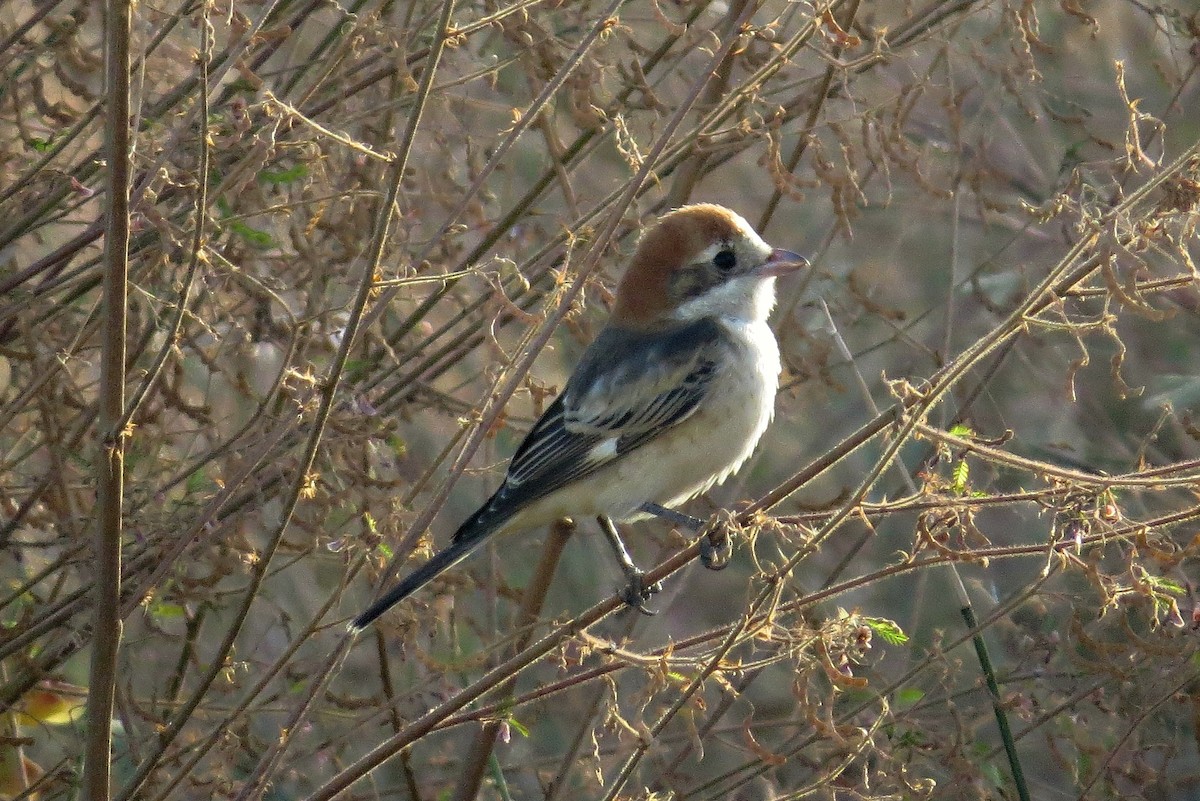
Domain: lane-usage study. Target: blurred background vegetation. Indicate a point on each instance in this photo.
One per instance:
(993, 363)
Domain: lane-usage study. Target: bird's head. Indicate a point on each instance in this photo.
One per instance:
(700, 261)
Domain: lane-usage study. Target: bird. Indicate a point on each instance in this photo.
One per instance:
(670, 398)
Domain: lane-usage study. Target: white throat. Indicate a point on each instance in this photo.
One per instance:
(748, 298)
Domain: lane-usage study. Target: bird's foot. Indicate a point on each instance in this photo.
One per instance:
(716, 547)
(637, 592)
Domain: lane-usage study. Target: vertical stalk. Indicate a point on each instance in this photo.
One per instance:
(110, 457)
(482, 751)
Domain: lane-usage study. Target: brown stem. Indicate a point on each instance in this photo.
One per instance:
(110, 459)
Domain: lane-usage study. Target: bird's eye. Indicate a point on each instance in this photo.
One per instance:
(725, 261)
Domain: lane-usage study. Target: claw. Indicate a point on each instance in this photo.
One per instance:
(637, 592)
(716, 555)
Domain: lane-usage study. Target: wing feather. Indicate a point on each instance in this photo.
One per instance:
(628, 382)
(625, 392)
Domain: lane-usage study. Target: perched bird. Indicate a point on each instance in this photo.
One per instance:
(670, 399)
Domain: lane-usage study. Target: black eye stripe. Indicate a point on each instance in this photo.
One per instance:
(725, 260)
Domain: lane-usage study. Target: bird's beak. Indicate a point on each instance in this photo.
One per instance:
(782, 262)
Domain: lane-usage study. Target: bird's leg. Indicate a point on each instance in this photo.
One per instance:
(695, 524)
(636, 592)
(713, 555)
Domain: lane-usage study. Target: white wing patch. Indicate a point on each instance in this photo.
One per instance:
(604, 450)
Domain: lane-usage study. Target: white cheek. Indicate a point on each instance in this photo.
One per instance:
(748, 297)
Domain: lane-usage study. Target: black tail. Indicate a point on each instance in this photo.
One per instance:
(477, 528)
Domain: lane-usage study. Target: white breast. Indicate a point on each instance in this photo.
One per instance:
(703, 450)
(742, 405)
(710, 445)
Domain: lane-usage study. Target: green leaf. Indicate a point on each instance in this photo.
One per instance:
(1160, 583)
(356, 368)
(256, 238)
(195, 482)
(1169, 585)
(910, 738)
(888, 630)
(161, 609)
(284, 176)
(242, 85)
(908, 696)
(991, 773)
(960, 476)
